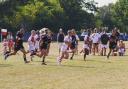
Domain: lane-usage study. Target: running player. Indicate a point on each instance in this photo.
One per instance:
(86, 46)
(43, 46)
(31, 44)
(112, 43)
(64, 54)
(18, 46)
(74, 43)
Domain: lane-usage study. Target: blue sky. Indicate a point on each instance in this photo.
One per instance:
(104, 2)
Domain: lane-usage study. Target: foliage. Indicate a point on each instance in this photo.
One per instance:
(66, 14)
(114, 15)
(35, 14)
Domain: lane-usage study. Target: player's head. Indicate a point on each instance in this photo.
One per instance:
(46, 30)
(22, 30)
(88, 32)
(73, 32)
(70, 32)
(60, 30)
(113, 32)
(4, 40)
(95, 30)
(33, 32)
(121, 41)
(42, 31)
(37, 32)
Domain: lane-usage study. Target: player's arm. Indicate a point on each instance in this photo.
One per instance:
(58, 37)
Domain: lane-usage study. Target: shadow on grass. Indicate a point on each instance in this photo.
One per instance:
(72, 66)
(78, 66)
(100, 61)
(46, 61)
(5, 65)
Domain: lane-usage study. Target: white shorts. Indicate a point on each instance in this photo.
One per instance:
(64, 48)
(122, 50)
(86, 46)
(60, 45)
(37, 45)
(103, 46)
(31, 48)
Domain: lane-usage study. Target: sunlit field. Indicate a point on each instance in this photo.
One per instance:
(96, 73)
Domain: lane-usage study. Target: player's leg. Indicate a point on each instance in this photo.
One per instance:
(86, 52)
(102, 50)
(110, 50)
(73, 53)
(94, 48)
(97, 48)
(13, 53)
(44, 54)
(105, 51)
(24, 55)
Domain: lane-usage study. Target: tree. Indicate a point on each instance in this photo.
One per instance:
(121, 9)
(77, 15)
(36, 14)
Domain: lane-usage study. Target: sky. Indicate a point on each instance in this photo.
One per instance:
(104, 2)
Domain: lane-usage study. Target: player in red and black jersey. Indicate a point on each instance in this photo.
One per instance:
(113, 40)
(49, 36)
(18, 45)
(43, 46)
(74, 43)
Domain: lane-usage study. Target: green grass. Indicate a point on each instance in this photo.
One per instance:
(96, 73)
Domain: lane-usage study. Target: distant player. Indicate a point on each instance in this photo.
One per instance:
(60, 39)
(104, 43)
(122, 48)
(95, 41)
(10, 41)
(5, 46)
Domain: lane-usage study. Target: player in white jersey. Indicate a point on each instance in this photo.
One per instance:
(95, 41)
(64, 54)
(31, 43)
(37, 37)
(86, 46)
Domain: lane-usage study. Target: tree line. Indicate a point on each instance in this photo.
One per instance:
(66, 14)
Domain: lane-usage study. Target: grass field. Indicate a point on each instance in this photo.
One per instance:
(96, 73)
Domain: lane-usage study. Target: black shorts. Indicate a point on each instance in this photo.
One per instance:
(86, 51)
(73, 46)
(18, 47)
(112, 46)
(95, 44)
(43, 47)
